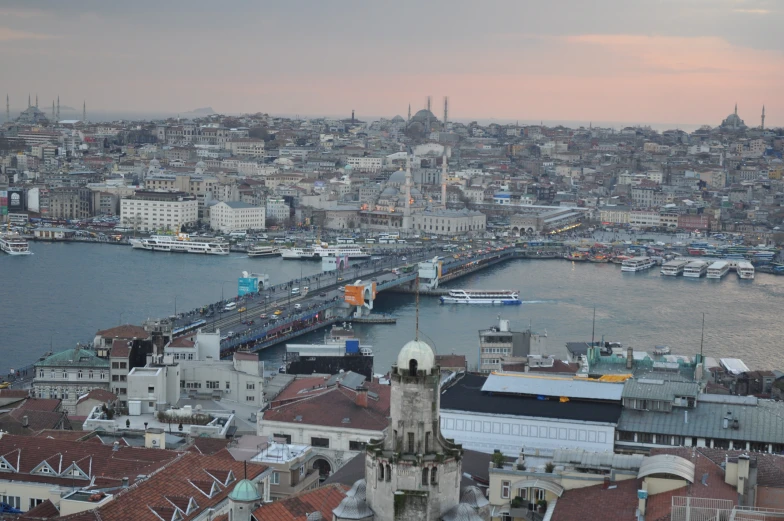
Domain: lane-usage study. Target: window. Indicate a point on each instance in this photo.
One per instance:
(228, 386)
(250, 386)
(151, 404)
(212, 385)
(115, 365)
(79, 374)
(275, 479)
(151, 389)
(40, 375)
(539, 492)
(250, 398)
(505, 487)
(356, 445)
(35, 502)
(12, 501)
(319, 442)
(410, 442)
(286, 437)
(434, 476)
(425, 476)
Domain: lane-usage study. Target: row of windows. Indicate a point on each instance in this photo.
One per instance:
(534, 494)
(64, 374)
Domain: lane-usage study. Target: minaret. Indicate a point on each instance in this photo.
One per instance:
(446, 110)
(443, 180)
(409, 114)
(84, 112)
(7, 109)
(762, 125)
(36, 101)
(407, 208)
(28, 100)
(428, 114)
(53, 113)
(736, 108)
(58, 109)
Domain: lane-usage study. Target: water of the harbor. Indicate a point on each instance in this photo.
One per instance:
(66, 292)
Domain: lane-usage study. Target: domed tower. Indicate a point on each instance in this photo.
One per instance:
(413, 474)
(242, 500)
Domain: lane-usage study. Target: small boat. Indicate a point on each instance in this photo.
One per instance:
(469, 296)
(263, 251)
(661, 350)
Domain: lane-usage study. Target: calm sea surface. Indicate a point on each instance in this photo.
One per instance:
(66, 292)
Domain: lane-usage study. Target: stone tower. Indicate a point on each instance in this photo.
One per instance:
(413, 474)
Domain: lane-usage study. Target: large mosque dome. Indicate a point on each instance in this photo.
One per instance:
(422, 117)
(733, 121)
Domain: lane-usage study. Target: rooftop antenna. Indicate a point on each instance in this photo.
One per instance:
(702, 336)
(593, 327)
(416, 331)
(246, 468)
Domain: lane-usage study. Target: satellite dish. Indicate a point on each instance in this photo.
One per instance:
(155, 442)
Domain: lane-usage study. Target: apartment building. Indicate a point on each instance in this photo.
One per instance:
(69, 374)
(152, 211)
(70, 203)
(277, 209)
(247, 147)
(365, 164)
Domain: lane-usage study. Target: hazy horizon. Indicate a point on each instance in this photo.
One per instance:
(687, 62)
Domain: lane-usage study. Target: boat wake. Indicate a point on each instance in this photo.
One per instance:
(538, 301)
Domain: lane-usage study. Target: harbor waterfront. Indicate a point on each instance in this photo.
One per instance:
(51, 299)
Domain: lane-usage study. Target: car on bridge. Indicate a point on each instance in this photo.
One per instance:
(263, 315)
(242, 309)
(278, 312)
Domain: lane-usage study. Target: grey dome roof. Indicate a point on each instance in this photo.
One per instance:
(419, 351)
(314, 516)
(474, 497)
(398, 177)
(389, 191)
(358, 490)
(398, 119)
(461, 512)
(352, 508)
(422, 116)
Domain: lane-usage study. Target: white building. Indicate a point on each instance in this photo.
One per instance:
(205, 346)
(505, 412)
(277, 209)
(151, 211)
(153, 389)
(246, 147)
(365, 164)
(239, 380)
(233, 216)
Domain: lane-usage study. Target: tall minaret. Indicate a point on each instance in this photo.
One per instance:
(736, 108)
(7, 109)
(84, 112)
(443, 179)
(446, 110)
(53, 113)
(762, 125)
(28, 100)
(407, 208)
(428, 114)
(36, 101)
(58, 109)
(409, 114)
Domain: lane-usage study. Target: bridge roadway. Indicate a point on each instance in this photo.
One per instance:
(322, 306)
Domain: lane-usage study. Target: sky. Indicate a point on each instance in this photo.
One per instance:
(656, 61)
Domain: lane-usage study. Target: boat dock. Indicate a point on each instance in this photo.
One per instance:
(373, 319)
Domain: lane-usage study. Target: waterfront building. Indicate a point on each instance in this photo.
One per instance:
(158, 211)
(449, 222)
(510, 411)
(70, 203)
(234, 216)
(499, 344)
(277, 210)
(336, 416)
(69, 374)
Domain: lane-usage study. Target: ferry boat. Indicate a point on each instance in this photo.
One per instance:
(14, 244)
(674, 267)
(718, 269)
(661, 350)
(351, 251)
(263, 251)
(471, 296)
(298, 253)
(182, 243)
(637, 264)
(340, 352)
(745, 270)
(695, 269)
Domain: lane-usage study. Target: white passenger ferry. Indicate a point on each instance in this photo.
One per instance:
(263, 251)
(718, 269)
(471, 296)
(695, 269)
(674, 267)
(637, 264)
(351, 251)
(745, 270)
(14, 244)
(181, 243)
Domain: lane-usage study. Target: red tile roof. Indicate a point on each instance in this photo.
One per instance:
(127, 331)
(329, 409)
(101, 395)
(65, 435)
(99, 461)
(444, 361)
(301, 388)
(120, 349)
(297, 508)
(597, 503)
(182, 341)
(45, 510)
(251, 357)
(166, 489)
(14, 393)
(208, 446)
(42, 404)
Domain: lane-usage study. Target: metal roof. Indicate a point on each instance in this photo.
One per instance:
(734, 365)
(762, 423)
(536, 385)
(597, 460)
(656, 389)
(667, 464)
(728, 398)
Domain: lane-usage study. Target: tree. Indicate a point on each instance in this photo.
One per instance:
(259, 133)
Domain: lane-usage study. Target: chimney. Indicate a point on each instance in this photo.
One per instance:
(362, 397)
(743, 472)
(125, 482)
(25, 422)
(629, 358)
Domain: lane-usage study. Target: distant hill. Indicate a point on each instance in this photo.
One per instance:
(204, 110)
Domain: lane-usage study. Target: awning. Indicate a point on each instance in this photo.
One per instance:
(667, 464)
(545, 484)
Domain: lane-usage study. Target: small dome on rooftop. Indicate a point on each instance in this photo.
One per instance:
(419, 352)
(245, 491)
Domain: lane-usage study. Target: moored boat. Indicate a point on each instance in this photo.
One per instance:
(14, 244)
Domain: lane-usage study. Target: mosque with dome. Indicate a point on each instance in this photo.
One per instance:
(413, 473)
(733, 122)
